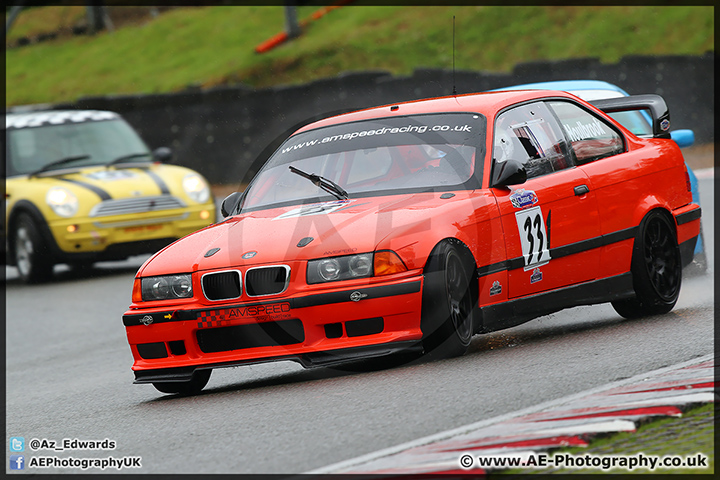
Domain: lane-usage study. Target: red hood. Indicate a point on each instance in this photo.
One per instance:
(337, 228)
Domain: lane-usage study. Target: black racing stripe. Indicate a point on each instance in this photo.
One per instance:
(301, 302)
(564, 251)
(589, 244)
(160, 317)
(688, 217)
(344, 296)
(620, 235)
(159, 182)
(492, 268)
(97, 190)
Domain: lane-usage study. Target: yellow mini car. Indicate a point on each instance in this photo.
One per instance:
(82, 187)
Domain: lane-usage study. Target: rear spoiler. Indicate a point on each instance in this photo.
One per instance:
(654, 103)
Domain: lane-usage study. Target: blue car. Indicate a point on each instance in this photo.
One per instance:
(638, 122)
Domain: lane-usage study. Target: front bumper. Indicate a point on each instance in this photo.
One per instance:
(315, 330)
(96, 235)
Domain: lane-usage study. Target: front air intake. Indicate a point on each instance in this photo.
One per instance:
(251, 335)
(260, 281)
(222, 285)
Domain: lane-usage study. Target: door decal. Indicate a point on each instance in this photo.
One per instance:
(533, 237)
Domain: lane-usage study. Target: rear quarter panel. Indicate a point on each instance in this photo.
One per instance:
(651, 174)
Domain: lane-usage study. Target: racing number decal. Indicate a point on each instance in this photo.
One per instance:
(533, 237)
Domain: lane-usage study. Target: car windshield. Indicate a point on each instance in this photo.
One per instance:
(91, 143)
(436, 152)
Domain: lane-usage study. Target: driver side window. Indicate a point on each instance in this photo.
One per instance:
(530, 135)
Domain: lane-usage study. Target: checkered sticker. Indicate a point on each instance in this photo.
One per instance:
(256, 312)
(212, 318)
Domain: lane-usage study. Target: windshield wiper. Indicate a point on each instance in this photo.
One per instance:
(322, 182)
(57, 163)
(127, 157)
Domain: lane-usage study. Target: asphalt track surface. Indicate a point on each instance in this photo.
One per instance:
(68, 377)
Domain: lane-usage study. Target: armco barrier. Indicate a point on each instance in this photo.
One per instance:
(227, 133)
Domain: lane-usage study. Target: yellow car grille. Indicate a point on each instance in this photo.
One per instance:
(136, 205)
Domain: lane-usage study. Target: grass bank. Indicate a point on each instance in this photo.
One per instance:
(210, 46)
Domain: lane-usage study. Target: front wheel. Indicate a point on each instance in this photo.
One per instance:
(31, 256)
(656, 269)
(191, 387)
(447, 302)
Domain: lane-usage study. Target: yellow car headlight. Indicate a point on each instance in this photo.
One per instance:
(196, 187)
(62, 201)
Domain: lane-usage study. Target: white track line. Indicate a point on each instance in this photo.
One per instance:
(346, 464)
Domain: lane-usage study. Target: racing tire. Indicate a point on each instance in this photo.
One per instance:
(191, 387)
(447, 302)
(656, 269)
(32, 258)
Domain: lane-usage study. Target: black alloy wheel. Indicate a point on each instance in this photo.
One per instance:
(447, 304)
(656, 269)
(31, 256)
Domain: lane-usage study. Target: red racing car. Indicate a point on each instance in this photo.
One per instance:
(417, 225)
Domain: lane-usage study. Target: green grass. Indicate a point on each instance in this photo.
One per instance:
(210, 46)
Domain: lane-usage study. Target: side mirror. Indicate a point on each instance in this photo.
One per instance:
(509, 172)
(684, 137)
(230, 203)
(163, 154)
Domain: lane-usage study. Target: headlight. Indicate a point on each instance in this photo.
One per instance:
(196, 187)
(354, 266)
(62, 201)
(167, 287)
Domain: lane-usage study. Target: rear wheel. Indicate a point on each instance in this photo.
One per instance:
(191, 387)
(656, 268)
(447, 305)
(31, 256)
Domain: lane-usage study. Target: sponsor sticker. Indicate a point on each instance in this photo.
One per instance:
(523, 198)
(110, 175)
(536, 276)
(218, 318)
(314, 209)
(357, 296)
(496, 288)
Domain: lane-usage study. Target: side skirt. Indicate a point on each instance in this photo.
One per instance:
(521, 310)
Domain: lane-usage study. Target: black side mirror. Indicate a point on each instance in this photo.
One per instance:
(163, 154)
(509, 172)
(230, 203)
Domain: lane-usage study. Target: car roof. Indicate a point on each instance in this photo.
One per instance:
(487, 103)
(55, 117)
(566, 85)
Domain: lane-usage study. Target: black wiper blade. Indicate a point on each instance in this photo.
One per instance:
(125, 158)
(322, 182)
(58, 163)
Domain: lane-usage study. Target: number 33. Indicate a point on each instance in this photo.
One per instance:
(533, 235)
